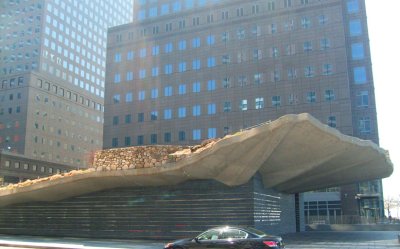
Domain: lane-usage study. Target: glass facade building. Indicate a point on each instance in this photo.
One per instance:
(52, 75)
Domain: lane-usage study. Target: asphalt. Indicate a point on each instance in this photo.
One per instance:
(320, 240)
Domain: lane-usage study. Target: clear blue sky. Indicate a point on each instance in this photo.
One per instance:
(384, 34)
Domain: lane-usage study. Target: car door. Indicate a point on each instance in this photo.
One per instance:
(233, 239)
(210, 239)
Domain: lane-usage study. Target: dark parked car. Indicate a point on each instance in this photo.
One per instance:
(229, 238)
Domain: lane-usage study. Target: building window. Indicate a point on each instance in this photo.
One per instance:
(211, 62)
(243, 105)
(182, 67)
(211, 109)
(357, 51)
(142, 73)
(140, 140)
(117, 78)
(129, 76)
(311, 97)
(325, 43)
(156, 50)
(224, 15)
(117, 57)
(115, 120)
(362, 99)
(196, 42)
(182, 45)
(292, 73)
(258, 79)
(364, 125)
(196, 64)
(168, 48)
(211, 40)
(355, 28)
(168, 69)
(196, 87)
(181, 112)
(196, 134)
(352, 6)
(276, 101)
(154, 71)
(329, 95)
(241, 33)
(154, 115)
(196, 110)
(182, 89)
(227, 106)
(305, 22)
(114, 142)
(130, 55)
(287, 3)
(259, 103)
(239, 12)
(116, 99)
(182, 136)
(141, 95)
(309, 71)
(255, 9)
(307, 46)
(128, 119)
(141, 117)
(360, 75)
(154, 93)
(242, 81)
(167, 137)
(127, 141)
(327, 69)
(167, 114)
(211, 85)
(168, 91)
(212, 133)
(332, 121)
(153, 138)
(226, 59)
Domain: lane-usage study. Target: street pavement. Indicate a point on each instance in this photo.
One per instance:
(320, 240)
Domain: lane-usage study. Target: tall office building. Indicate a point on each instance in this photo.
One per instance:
(189, 70)
(52, 74)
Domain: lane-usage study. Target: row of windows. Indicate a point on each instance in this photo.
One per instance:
(75, 97)
(241, 32)
(362, 100)
(32, 167)
(10, 97)
(257, 78)
(75, 80)
(154, 10)
(352, 5)
(243, 55)
(153, 138)
(364, 126)
(13, 82)
(10, 110)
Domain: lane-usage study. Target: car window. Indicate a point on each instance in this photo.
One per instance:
(210, 235)
(234, 234)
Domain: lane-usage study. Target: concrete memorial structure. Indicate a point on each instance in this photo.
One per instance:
(248, 178)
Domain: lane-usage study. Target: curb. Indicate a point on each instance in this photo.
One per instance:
(40, 245)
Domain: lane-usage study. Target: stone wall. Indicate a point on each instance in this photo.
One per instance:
(138, 157)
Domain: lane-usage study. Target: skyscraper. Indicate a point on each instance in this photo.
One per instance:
(52, 74)
(187, 70)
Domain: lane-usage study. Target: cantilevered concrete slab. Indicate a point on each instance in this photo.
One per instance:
(294, 153)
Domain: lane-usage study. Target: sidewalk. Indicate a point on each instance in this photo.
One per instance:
(317, 240)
